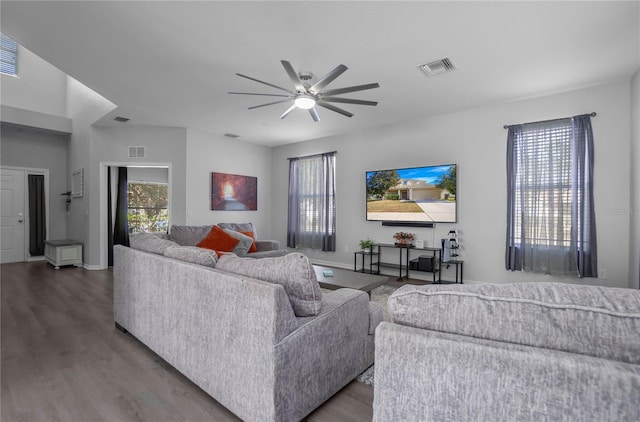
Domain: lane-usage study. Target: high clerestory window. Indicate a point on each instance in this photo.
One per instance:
(8, 56)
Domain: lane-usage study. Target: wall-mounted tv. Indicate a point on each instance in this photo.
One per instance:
(413, 195)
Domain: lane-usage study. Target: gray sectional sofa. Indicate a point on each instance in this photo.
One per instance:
(238, 337)
(517, 352)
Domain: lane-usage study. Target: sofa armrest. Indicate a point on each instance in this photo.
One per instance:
(432, 376)
(267, 245)
(325, 352)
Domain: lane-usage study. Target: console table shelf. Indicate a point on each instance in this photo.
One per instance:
(403, 261)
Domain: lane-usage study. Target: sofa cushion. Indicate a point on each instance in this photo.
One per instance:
(219, 240)
(239, 227)
(293, 271)
(188, 235)
(193, 254)
(597, 321)
(244, 242)
(149, 242)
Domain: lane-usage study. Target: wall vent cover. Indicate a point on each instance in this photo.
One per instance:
(231, 135)
(121, 119)
(137, 152)
(437, 67)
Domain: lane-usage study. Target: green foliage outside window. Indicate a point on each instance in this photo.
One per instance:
(148, 207)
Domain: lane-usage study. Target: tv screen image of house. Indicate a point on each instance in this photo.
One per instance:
(414, 195)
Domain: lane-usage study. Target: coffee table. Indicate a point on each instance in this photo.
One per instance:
(348, 279)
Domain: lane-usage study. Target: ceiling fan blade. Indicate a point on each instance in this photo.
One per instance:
(271, 103)
(314, 114)
(334, 108)
(287, 111)
(263, 82)
(328, 78)
(293, 76)
(337, 91)
(256, 93)
(348, 101)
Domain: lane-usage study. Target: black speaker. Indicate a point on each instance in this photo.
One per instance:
(409, 224)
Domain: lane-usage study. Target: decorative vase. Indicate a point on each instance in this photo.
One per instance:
(366, 250)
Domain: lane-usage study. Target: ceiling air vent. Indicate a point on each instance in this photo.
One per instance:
(137, 152)
(121, 119)
(231, 135)
(437, 67)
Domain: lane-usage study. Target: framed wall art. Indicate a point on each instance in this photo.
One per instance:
(232, 192)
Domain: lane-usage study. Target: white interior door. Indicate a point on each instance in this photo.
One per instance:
(12, 216)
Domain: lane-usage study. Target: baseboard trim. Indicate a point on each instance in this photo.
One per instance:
(92, 267)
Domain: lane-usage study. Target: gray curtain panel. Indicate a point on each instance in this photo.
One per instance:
(550, 213)
(121, 224)
(37, 215)
(586, 251)
(312, 202)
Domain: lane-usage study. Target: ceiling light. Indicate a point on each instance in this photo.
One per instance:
(305, 101)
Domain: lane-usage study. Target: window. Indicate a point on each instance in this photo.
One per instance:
(550, 216)
(147, 207)
(8, 56)
(312, 202)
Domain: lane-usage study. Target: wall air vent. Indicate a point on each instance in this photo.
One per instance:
(121, 119)
(137, 152)
(231, 135)
(437, 67)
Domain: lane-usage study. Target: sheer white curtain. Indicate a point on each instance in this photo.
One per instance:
(312, 202)
(550, 215)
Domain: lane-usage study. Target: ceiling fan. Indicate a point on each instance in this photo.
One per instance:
(307, 95)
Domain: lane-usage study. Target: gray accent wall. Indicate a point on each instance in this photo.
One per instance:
(34, 148)
(208, 153)
(634, 214)
(475, 140)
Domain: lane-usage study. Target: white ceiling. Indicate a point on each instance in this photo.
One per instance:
(172, 62)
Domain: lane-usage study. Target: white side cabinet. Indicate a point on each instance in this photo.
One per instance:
(63, 252)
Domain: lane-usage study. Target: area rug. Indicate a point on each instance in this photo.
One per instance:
(379, 295)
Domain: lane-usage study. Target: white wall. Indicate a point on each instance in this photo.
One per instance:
(164, 146)
(84, 107)
(207, 153)
(39, 86)
(30, 148)
(634, 215)
(476, 141)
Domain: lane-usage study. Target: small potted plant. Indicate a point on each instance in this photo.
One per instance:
(366, 245)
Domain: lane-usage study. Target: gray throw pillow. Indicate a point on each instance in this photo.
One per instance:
(193, 254)
(293, 271)
(243, 246)
(239, 227)
(149, 242)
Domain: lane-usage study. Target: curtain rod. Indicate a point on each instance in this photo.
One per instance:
(592, 114)
(313, 155)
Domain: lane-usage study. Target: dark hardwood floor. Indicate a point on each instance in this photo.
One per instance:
(62, 359)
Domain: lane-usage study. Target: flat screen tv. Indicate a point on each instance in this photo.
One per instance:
(413, 195)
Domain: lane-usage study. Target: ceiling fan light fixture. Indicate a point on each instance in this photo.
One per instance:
(305, 101)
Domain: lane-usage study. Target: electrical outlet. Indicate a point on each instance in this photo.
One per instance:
(602, 273)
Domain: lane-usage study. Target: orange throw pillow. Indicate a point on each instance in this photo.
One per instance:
(253, 247)
(218, 241)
